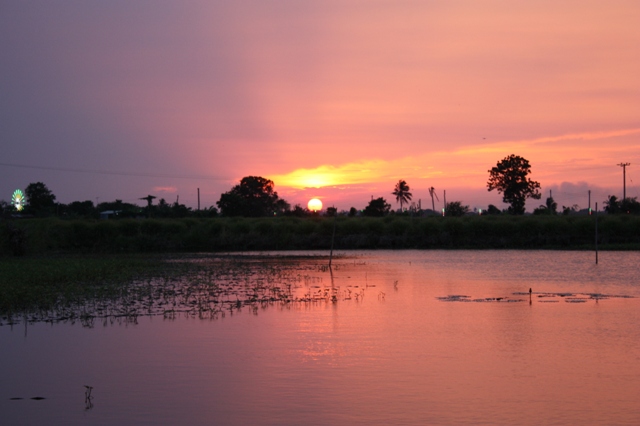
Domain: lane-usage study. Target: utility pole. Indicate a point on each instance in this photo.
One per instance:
(589, 202)
(198, 198)
(624, 180)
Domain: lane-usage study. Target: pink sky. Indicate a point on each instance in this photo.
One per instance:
(332, 99)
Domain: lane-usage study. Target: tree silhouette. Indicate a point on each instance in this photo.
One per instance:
(82, 209)
(491, 209)
(432, 192)
(612, 205)
(281, 206)
(331, 211)
(630, 205)
(615, 206)
(6, 208)
(253, 197)
(40, 200)
(509, 177)
(402, 193)
(377, 207)
(298, 211)
(455, 208)
(550, 207)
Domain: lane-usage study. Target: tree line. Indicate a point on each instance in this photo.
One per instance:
(254, 196)
(40, 201)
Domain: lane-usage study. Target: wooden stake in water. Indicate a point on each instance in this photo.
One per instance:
(596, 233)
(333, 237)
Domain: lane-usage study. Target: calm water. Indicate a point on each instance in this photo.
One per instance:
(394, 355)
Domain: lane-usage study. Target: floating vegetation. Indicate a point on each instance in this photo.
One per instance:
(542, 297)
(461, 298)
(573, 297)
(206, 287)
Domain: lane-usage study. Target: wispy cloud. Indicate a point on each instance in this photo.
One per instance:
(504, 146)
(458, 165)
(170, 189)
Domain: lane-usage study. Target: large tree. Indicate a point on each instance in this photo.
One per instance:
(509, 177)
(377, 207)
(40, 199)
(402, 193)
(253, 197)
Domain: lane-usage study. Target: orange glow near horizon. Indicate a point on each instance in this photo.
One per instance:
(330, 175)
(458, 166)
(464, 170)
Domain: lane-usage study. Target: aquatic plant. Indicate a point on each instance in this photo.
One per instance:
(120, 289)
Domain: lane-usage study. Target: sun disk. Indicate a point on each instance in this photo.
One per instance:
(314, 205)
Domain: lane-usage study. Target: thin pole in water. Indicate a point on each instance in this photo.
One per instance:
(333, 237)
(596, 233)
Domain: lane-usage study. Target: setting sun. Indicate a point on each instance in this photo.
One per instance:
(314, 205)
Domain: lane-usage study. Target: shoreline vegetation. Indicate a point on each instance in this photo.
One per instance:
(52, 236)
(107, 289)
(56, 269)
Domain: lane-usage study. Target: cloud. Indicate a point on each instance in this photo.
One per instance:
(171, 189)
(439, 164)
(466, 168)
(535, 143)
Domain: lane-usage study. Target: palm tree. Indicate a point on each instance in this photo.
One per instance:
(402, 193)
(432, 192)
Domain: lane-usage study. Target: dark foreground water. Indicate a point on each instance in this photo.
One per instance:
(413, 337)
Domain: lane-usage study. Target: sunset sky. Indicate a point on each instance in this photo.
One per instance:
(118, 99)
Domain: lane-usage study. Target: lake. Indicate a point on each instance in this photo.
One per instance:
(410, 338)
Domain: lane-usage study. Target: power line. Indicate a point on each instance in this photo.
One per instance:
(112, 173)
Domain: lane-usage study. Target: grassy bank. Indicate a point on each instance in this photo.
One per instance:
(46, 236)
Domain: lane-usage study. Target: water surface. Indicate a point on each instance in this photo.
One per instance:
(395, 354)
